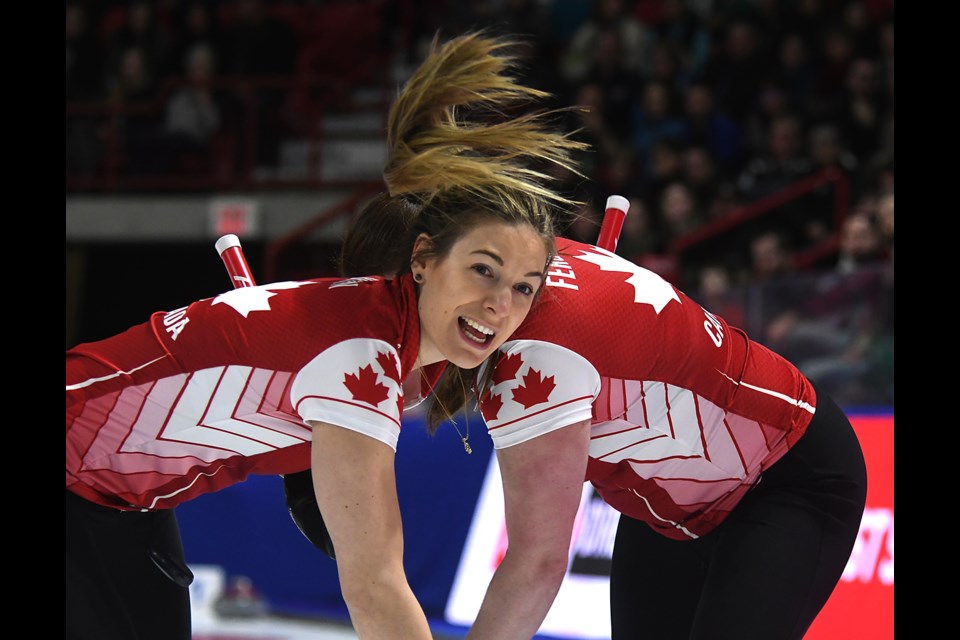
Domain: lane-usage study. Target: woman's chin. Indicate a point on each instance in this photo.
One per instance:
(471, 360)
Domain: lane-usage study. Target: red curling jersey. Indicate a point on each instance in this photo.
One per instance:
(198, 398)
(687, 412)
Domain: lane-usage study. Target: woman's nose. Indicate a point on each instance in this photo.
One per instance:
(499, 300)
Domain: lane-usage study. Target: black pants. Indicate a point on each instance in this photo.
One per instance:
(768, 570)
(115, 591)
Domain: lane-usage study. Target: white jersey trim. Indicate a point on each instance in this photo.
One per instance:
(577, 384)
(320, 394)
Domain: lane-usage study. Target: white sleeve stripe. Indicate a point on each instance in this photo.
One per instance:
(366, 407)
(528, 416)
(502, 440)
(90, 381)
(776, 394)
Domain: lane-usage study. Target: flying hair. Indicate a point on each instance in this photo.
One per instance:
(452, 128)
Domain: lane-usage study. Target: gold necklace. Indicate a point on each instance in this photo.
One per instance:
(463, 438)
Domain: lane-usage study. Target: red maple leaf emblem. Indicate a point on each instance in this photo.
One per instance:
(490, 406)
(388, 362)
(534, 390)
(507, 368)
(364, 386)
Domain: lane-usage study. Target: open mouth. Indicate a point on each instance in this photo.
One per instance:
(476, 332)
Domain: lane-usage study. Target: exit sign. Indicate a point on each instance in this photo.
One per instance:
(240, 217)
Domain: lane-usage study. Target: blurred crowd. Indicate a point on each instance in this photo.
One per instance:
(695, 109)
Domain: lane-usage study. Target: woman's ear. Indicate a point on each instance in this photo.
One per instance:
(421, 245)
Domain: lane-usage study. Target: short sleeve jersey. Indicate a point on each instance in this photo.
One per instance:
(198, 398)
(686, 411)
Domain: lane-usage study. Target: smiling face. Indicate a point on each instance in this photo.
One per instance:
(473, 298)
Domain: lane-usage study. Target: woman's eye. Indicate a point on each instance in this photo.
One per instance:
(482, 269)
(525, 289)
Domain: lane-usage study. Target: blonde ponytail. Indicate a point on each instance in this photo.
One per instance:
(451, 127)
(461, 150)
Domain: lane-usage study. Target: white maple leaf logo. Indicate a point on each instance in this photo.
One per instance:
(247, 299)
(648, 287)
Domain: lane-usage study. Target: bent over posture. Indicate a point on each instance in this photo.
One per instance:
(741, 487)
(289, 376)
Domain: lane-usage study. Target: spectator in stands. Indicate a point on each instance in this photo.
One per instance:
(664, 166)
(771, 270)
(635, 41)
(656, 118)
(666, 66)
(708, 127)
(617, 81)
(796, 72)
(827, 151)
(715, 292)
(134, 85)
(784, 161)
(836, 54)
(856, 21)
(700, 175)
(686, 32)
(860, 244)
(132, 80)
(197, 24)
(859, 108)
(193, 111)
(142, 30)
(771, 102)
(678, 212)
(771, 258)
(736, 67)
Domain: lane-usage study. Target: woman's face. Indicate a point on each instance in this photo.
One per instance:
(475, 297)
